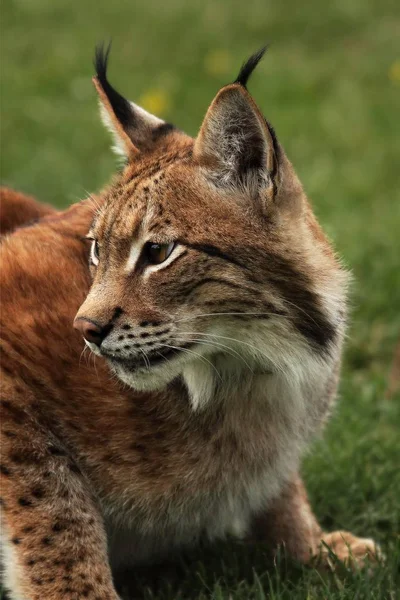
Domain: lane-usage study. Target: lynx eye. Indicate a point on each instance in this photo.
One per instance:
(94, 253)
(156, 254)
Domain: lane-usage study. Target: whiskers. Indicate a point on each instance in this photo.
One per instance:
(266, 314)
(241, 314)
(88, 357)
(214, 349)
(208, 338)
(203, 358)
(145, 358)
(217, 346)
(84, 354)
(95, 201)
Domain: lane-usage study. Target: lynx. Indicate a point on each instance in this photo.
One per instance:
(214, 309)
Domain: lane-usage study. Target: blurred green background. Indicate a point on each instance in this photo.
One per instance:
(330, 84)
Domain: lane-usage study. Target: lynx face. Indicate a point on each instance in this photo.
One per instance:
(207, 261)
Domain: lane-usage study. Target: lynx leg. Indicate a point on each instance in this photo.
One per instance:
(54, 543)
(290, 522)
(348, 548)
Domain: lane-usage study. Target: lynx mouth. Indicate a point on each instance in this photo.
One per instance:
(144, 362)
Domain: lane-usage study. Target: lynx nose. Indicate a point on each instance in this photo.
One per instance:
(91, 331)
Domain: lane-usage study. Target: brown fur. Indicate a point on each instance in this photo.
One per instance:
(18, 209)
(156, 464)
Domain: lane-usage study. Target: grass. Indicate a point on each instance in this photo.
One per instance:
(330, 85)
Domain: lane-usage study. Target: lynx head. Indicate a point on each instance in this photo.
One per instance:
(207, 261)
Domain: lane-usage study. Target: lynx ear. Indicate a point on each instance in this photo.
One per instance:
(235, 143)
(134, 129)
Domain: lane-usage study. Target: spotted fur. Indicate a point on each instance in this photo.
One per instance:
(210, 372)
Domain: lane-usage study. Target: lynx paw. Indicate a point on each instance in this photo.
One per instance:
(353, 551)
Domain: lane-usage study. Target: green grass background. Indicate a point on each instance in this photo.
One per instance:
(330, 85)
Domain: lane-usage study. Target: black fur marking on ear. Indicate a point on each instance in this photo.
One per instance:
(119, 104)
(249, 66)
(161, 130)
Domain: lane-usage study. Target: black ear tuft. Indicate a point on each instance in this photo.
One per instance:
(119, 104)
(100, 62)
(249, 66)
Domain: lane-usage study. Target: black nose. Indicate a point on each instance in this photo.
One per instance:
(92, 332)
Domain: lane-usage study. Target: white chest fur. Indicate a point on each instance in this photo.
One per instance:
(273, 419)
